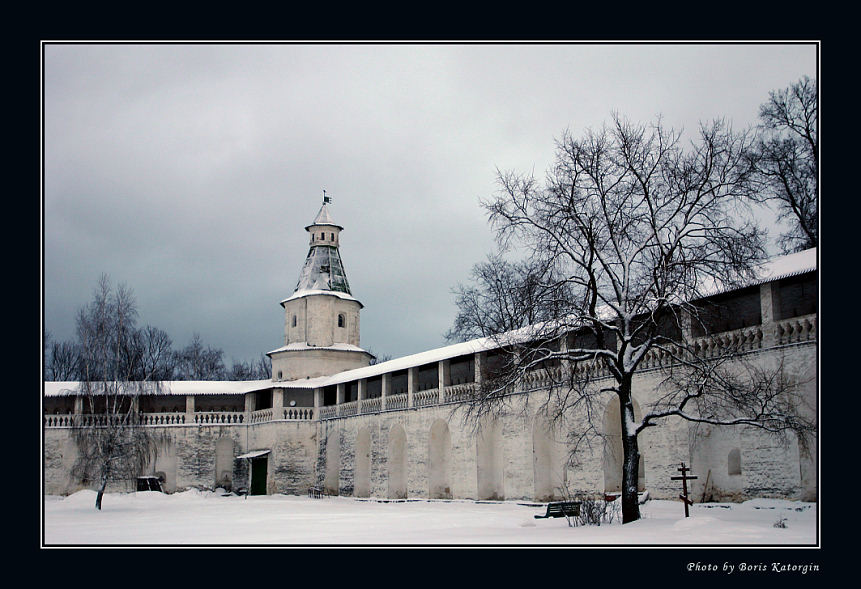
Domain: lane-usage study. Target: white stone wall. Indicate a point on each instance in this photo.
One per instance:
(187, 457)
(300, 452)
(771, 466)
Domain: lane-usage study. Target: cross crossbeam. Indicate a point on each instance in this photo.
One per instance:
(685, 477)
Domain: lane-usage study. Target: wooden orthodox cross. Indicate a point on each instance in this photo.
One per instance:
(685, 478)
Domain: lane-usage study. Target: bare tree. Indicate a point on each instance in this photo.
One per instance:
(259, 369)
(378, 359)
(239, 371)
(502, 297)
(63, 361)
(632, 230)
(196, 362)
(262, 368)
(112, 446)
(46, 347)
(788, 161)
(156, 359)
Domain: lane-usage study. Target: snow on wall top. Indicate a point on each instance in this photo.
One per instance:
(429, 357)
(308, 292)
(772, 270)
(302, 346)
(176, 387)
(786, 266)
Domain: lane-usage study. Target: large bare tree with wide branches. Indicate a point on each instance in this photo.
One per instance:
(630, 231)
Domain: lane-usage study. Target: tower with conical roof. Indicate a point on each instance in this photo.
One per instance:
(321, 328)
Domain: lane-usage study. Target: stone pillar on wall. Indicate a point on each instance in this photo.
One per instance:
(277, 403)
(563, 347)
(412, 381)
(385, 389)
(479, 366)
(79, 404)
(250, 405)
(687, 325)
(340, 396)
(444, 372)
(769, 301)
(363, 391)
(189, 409)
(318, 402)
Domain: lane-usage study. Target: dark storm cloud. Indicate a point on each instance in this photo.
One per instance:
(190, 171)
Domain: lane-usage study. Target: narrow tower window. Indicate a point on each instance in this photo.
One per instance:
(332, 236)
(294, 320)
(341, 320)
(322, 237)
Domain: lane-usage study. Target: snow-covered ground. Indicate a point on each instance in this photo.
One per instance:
(213, 518)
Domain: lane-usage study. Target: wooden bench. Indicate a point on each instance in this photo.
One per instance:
(561, 509)
(317, 493)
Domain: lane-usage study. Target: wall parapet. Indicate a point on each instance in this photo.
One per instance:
(202, 418)
(397, 401)
(795, 330)
(372, 405)
(219, 417)
(458, 393)
(426, 397)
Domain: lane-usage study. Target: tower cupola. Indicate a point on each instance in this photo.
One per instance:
(323, 269)
(321, 328)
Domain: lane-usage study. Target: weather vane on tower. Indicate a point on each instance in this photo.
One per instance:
(326, 199)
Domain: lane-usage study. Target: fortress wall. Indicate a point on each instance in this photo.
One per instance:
(433, 451)
(770, 466)
(188, 456)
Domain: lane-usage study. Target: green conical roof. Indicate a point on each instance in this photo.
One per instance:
(323, 269)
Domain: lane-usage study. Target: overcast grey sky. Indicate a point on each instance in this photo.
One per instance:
(188, 172)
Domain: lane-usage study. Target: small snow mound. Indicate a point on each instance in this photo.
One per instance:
(150, 496)
(693, 523)
(192, 494)
(772, 504)
(527, 524)
(85, 497)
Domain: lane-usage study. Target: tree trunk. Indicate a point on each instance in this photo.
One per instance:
(630, 472)
(630, 455)
(100, 493)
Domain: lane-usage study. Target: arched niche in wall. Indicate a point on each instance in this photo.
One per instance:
(548, 461)
(333, 462)
(397, 462)
(362, 473)
(489, 461)
(439, 451)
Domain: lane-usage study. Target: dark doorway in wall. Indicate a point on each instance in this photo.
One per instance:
(258, 475)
